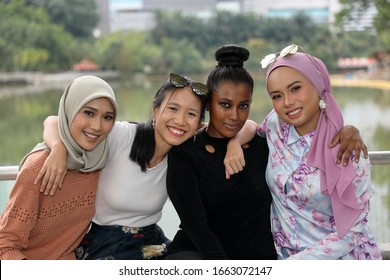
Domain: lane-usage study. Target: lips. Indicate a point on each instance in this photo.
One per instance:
(91, 136)
(294, 112)
(176, 131)
(231, 126)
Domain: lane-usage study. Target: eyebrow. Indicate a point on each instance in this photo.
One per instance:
(293, 83)
(288, 86)
(229, 100)
(95, 110)
(179, 105)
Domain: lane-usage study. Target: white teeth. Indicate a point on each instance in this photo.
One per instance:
(176, 131)
(90, 135)
(294, 112)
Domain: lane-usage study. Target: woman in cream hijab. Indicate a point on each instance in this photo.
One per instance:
(35, 226)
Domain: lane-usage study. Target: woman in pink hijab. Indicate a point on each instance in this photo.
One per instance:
(319, 208)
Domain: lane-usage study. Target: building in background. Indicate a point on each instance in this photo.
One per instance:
(104, 14)
(321, 11)
(188, 6)
(139, 14)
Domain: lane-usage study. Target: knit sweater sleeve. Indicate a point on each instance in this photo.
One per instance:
(21, 212)
(183, 189)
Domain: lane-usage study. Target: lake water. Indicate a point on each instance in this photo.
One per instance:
(23, 109)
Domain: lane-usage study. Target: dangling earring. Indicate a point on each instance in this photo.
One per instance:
(153, 123)
(322, 105)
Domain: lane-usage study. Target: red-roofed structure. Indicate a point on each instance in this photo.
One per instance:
(86, 65)
(356, 62)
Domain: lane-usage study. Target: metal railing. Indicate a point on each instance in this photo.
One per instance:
(9, 173)
(376, 158)
(379, 157)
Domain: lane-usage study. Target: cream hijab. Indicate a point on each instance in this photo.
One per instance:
(78, 93)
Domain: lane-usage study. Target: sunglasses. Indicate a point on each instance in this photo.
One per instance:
(286, 52)
(181, 81)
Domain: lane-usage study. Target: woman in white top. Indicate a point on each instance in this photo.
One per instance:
(132, 191)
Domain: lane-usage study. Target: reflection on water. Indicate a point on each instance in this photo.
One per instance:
(21, 118)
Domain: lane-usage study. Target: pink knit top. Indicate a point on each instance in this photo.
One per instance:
(35, 226)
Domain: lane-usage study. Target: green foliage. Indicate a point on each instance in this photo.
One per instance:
(178, 56)
(79, 18)
(265, 34)
(128, 52)
(29, 41)
(179, 26)
(258, 49)
(229, 28)
(131, 52)
(285, 30)
(354, 10)
(51, 35)
(382, 22)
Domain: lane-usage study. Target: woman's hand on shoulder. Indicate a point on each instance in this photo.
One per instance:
(234, 159)
(350, 140)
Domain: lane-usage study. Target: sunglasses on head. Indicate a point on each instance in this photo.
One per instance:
(181, 81)
(286, 52)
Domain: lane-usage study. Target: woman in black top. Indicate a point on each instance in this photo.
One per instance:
(220, 218)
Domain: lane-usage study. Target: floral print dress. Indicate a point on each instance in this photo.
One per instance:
(301, 216)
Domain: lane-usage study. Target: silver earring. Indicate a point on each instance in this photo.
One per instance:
(322, 105)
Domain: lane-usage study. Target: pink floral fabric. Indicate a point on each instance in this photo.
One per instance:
(301, 216)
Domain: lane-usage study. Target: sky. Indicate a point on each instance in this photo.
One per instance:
(115, 4)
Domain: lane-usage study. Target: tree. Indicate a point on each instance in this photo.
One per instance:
(382, 21)
(176, 25)
(353, 10)
(29, 41)
(127, 52)
(77, 17)
(180, 56)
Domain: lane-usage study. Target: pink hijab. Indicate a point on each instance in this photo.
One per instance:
(336, 180)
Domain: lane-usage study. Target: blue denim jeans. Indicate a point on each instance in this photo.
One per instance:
(122, 243)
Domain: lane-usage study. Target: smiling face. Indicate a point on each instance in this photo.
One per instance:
(93, 123)
(294, 98)
(177, 118)
(229, 109)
